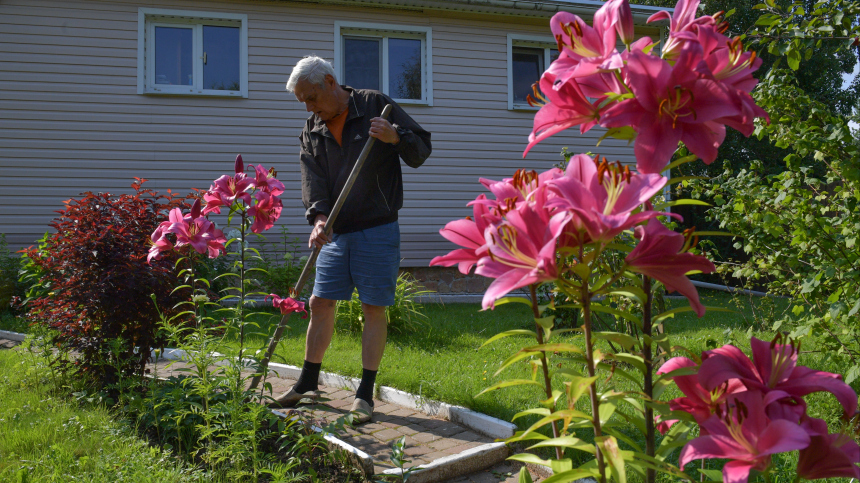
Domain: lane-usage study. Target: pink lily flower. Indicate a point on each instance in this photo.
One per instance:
(603, 196)
(828, 455)
(774, 369)
(265, 212)
(199, 232)
(521, 250)
(661, 254)
(682, 26)
(287, 305)
(589, 50)
(160, 243)
(672, 104)
(699, 402)
(743, 434)
(510, 192)
(468, 233)
(266, 181)
(228, 189)
(563, 107)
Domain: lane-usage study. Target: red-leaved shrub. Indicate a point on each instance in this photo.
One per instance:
(99, 283)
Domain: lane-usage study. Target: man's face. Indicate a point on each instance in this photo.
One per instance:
(319, 99)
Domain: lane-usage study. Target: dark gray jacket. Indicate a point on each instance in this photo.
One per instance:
(378, 191)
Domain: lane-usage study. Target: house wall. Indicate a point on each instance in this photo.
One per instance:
(71, 119)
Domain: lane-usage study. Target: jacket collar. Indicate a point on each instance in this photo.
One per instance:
(356, 106)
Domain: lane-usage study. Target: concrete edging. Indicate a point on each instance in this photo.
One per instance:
(16, 336)
(464, 463)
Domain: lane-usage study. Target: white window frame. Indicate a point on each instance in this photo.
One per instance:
(149, 18)
(384, 31)
(532, 41)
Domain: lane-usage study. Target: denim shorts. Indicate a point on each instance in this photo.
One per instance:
(367, 260)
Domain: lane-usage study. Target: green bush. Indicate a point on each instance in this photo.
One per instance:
(280, 264)
(406, 315)
(9, 265)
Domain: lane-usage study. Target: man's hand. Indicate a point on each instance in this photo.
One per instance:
(383, 130)
(318, 236)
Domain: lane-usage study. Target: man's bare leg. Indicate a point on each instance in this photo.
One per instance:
(320, 330)
(373, 337)
(372, 346)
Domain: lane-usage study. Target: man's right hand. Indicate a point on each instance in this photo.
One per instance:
(318, 236)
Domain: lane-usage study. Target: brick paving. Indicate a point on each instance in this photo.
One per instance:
(427, 438)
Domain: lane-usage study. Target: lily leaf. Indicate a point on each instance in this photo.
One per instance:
(554, 347)
(538, 411)
(625, 340)
(509, 333)
(566, 442)
(572, 475)
(519, 300)
(679, 162)
(509, 383)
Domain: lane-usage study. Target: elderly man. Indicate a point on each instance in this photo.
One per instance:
(364, 250)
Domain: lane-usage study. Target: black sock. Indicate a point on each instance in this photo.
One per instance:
(309, 378)
(365, 389)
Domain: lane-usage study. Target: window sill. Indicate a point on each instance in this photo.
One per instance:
(413, 102)
(523, 108)
(194, 93)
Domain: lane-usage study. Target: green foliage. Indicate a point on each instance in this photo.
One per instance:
(281, 264)
(9, 265)
(405, 316)
(799, 223)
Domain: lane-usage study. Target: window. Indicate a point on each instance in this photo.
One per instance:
(393, 59)
(528, 58)
(192, 53)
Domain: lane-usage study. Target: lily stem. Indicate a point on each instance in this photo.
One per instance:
(650, 474)
(592, 389)
(547, 382)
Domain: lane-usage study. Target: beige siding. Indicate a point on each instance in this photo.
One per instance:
(71, 119)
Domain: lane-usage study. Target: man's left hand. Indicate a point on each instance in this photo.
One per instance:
(383, 130)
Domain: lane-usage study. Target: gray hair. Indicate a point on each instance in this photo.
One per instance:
(312, 69)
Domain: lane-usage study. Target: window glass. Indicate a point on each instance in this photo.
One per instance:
(527, 67)
(221, 58)
(404, 68)
(173, 51)
(362, 62)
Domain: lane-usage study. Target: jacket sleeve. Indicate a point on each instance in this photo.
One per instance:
(414, 146)
(314, 186)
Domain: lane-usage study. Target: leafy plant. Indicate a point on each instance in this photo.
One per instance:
(8, 275)
(280, 263)
(405, 316)
(799, 223)
(95, 283)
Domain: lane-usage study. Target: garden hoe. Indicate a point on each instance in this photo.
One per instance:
(300, 283)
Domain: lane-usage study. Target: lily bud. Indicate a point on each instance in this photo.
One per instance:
(240, 166)
(195, 209)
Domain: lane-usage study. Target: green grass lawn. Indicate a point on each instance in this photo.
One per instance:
(47, 437)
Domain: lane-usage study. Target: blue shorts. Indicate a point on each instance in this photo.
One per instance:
(367, 260)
